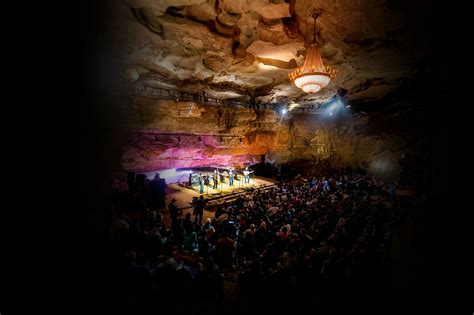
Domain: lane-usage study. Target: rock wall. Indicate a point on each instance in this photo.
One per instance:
(169, 134)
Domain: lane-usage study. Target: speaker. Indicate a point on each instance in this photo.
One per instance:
(162, 186)
(140, 181)
(131, 180)
(194, 179)
(158, 193)
(158, 186)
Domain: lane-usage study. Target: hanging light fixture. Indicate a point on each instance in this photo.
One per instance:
(313, 75)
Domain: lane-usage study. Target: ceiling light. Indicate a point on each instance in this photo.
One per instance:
(313, 75)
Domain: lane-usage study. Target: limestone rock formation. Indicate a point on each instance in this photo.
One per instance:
(243, 50)
(169, 134)
(212, 44)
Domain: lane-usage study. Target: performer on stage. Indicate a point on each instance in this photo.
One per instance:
(231, 177)
(215, 178)
(201, 184)
(247, 175)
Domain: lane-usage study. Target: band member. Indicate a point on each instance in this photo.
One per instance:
(231, 177)
(201, 183)
(247, 175)
(215, 178)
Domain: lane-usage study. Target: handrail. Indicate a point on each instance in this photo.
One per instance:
(139, 89)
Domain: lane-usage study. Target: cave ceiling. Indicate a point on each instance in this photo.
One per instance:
(243, 49)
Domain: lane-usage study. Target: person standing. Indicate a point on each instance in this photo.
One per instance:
(231, 177)
(175, 212)
(201, 184)
(215, 178)
(247, 175)
(199, 208)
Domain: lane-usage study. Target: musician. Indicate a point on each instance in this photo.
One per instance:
(247, 175)
(231, 177)
(201, 184)
(215, 178)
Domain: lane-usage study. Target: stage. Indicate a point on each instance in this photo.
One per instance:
(184, 194)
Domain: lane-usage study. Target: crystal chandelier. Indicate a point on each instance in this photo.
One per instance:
(313, 75)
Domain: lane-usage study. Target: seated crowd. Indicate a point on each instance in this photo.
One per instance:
(310, 240)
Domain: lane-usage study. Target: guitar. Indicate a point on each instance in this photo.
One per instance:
(246, 173)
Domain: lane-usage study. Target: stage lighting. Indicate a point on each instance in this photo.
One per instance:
(200, 140)
(179, 140)
(283, 111)
(241, 141)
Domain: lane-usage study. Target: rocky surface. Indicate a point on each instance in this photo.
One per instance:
(248, 47)
(168, 134)
(242, 49)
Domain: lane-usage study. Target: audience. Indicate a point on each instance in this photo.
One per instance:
(312, 235)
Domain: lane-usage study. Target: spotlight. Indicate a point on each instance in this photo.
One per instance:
(200, 140)
(283, 111)
(179, 140)
(330, 114)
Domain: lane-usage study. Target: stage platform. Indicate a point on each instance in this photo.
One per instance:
(184, 194)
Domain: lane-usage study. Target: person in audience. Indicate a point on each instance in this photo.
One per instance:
(224, 251)
(199, 208)
(203, 244)
(119, 228)
(174, 211)
(206, 226)
(187, 223)
(311, 233)
(189, 239)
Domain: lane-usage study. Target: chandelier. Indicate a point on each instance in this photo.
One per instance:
(313, 75)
